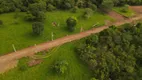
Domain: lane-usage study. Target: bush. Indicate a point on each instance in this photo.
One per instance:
(74, 10)
(50, 7)
(71, 23)
(61, 67)
(38, 28)
(1, 22)
(88, 13)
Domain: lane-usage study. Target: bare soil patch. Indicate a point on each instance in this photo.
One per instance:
(116, 16)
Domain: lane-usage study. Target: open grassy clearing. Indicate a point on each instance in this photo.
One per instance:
(76, 70)
(129, 12)
(19, 32)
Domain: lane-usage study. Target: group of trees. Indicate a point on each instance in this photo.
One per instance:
(114, 54)
(24, 5)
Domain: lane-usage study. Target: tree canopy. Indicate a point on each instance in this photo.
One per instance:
(114, 53)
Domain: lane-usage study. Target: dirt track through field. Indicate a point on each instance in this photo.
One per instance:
(48, 45)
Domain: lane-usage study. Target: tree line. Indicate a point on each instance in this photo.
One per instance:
(114, 54)
(24, 5)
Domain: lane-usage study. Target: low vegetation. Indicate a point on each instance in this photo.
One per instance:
(124, 10)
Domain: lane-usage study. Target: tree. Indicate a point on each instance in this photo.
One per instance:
(38, 28)
(114, 54)
(71, 23)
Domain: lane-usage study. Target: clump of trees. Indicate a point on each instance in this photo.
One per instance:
(71, 23)
(60, 67)
(114, 53)
(38, 28)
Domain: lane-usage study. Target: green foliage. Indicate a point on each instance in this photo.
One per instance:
(74, 10)
(88, 13)
(50, 7)
(125, 8)
(29, 17)
(93, 7)
(71, 23)
(114, 53)
(61, 67)
(24, 5)
(38, 28)
(37, 10)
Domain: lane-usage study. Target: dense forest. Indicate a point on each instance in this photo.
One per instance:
(114, 54)
(48, 5)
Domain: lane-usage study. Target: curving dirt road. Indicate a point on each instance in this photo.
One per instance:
(48, 45)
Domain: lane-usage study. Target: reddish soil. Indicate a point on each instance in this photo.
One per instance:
(34, 62)
(137, 9)
(116, 16)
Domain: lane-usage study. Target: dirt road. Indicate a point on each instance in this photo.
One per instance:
(48, 45)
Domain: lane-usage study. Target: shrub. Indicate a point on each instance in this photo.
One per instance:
(125, 8)
(50, 7)
(38, 28)
(61, 66)
(74, 10)
(88, 13)
(93, 7)
(71, 23)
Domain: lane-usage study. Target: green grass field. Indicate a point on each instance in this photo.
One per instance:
(129, 13)
(76, 71)
(20, 34)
